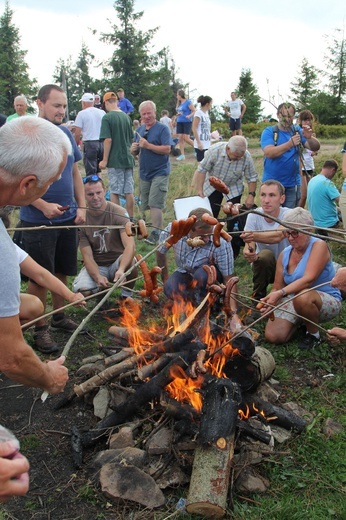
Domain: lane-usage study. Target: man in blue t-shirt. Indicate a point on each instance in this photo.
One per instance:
(323, 197)
(62, 205)
(281, 147)
(153, 143)
(123, 103)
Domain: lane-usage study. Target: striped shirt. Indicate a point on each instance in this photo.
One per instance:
(232, 173)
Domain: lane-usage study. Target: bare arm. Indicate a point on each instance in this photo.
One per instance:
(195, 124)
(127, 256)
(162, 149)
(44, 278)
(243, 110)
(200, 178)
(162, 262)
(92, 267)
(77, 132)
(107, 145)
(79, 195)
(193, 110)
(19, 362)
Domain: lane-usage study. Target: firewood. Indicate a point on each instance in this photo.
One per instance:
(275, 414)
(213, 456)
(134, 403)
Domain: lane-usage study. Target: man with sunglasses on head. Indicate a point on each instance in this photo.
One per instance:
(62, 205)
(263, 243)
(281, 147)
(107, 253)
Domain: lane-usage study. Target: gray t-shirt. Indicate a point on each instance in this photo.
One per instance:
(257, 223)
(9, 275)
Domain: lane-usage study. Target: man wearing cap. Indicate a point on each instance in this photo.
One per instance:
(116, 130)
(124, 104)
(88, 125)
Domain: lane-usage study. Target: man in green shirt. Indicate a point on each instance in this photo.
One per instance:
(117, 133)
(20, 105)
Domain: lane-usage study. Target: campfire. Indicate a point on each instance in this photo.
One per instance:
(202, 374)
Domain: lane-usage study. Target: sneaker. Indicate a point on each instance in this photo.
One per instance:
(180, 158)
(64, 324)
(152, 238)
(43, 342)
(309, 342)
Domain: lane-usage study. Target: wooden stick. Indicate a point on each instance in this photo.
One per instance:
(101, 302)
(273, 308)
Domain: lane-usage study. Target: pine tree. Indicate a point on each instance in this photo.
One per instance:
(247, 91)
(130, 65)
(305, 85)
(14, 75)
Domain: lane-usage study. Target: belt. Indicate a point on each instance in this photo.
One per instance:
(92, 141)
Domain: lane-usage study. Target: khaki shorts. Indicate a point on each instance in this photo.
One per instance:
(154, 192)
(330, 308)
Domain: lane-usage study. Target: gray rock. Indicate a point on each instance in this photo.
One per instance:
(130, 456)
(160, 442)
(101, 403)
(130, 483)
(250, 482)
(298, 410)
(332, 427)
(122, 439)
(280, 434)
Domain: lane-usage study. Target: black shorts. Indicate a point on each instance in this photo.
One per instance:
(234, 124)
(53, 249)
(184, 128)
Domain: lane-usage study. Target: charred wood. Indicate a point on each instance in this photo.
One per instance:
(275, 414)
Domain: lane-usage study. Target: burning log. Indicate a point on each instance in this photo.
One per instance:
(172, 344)
(275, 414)
(249, 373)
(212, 461)
(144, 394)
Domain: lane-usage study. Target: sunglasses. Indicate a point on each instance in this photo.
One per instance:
(91, 178)
(292, 234)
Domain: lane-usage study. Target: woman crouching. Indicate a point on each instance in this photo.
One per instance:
(305, 263)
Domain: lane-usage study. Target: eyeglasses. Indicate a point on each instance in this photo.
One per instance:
(292, 234)
(91, 178)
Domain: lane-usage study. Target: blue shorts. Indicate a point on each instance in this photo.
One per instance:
(184, 128)
(120, 180)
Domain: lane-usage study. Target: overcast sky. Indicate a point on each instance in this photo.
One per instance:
(210, 40)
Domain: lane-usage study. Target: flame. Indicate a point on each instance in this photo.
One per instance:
(244, 415)
(183, 388)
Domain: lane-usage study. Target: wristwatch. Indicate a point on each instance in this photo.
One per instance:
(253, 193)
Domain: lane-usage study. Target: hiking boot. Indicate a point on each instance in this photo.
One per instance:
(65, 324)
(309, 342)
(152, 238)
(43, 342)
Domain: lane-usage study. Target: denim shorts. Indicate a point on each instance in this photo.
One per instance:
(184, 128)
(121, 180)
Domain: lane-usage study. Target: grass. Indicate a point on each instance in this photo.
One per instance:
(308, 481)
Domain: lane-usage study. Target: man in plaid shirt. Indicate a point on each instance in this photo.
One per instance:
(189, 280)
(232, 163)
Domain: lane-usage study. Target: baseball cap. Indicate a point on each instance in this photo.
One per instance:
(120, 90)
(87, 97)
(109, 95)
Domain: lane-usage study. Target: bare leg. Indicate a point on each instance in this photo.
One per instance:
(115, 199)
(31, 308)
(181, 144)
(157, 218)
(41, 293)
(130, 204)
(309, 305)
(57, 300)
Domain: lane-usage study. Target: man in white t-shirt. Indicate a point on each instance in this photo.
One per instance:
(263, 241)
(88, 125)
(235, 110)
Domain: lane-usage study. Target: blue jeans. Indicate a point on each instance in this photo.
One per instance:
(292, 197)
